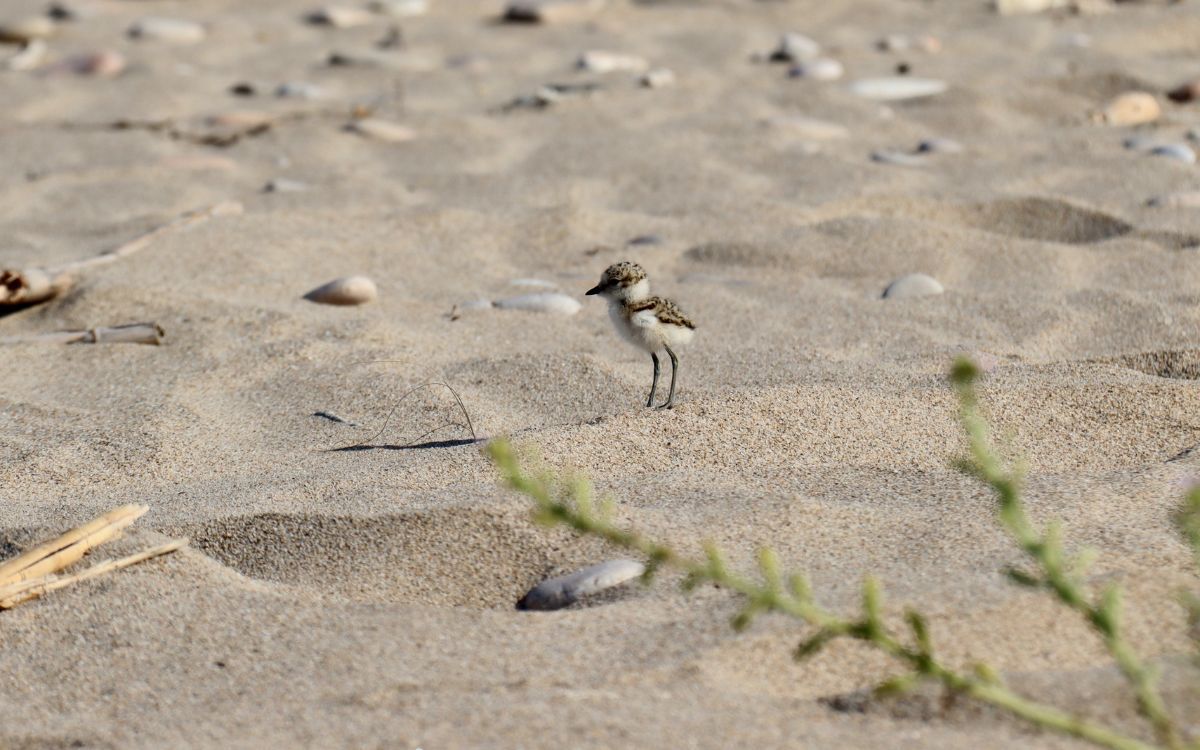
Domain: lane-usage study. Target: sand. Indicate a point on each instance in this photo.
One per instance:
(365, 599)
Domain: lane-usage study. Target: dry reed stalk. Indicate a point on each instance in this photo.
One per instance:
(42, 586)
(57, 554)
(130, 333)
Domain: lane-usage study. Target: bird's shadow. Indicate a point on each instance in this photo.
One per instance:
(410, 447)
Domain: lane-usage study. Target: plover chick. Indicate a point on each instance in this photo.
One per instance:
(649, 323)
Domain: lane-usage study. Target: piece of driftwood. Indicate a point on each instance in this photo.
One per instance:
(32, 285)
(32, 573)
(130, 333)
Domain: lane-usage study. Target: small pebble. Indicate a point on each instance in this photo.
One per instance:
(340, 17)
(899, 158)
(1185, 92)
(939, 146)
(243, 89)
(645, 239)
(1177, 151)
(657, 78)
(400, 8)
(794, 48)
(173, 30)
(899, 88)
(913, 285)
(551, 11)
(382, 130)
(563, 591)
(599, 61)
(26, 30)
(1130, 108)
(1185, 199)
(284, 185)
(550, 302)
(818, 69)
(349, 290)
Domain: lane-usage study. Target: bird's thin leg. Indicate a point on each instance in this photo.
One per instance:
(674, 370)
(654, 384)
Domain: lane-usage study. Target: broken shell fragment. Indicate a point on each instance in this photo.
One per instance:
(897, 89)
(348, 290)
(563, 591)
(26, 30)
(1130, 108)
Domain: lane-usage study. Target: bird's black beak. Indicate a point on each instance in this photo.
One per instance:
(595, 290)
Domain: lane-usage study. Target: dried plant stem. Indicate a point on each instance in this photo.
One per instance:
(42, 586)
(457, 399)
(57, 554)
(131, 333)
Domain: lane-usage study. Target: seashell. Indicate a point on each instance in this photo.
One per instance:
(795, 48)
(348, 290)
(552, 302)
(1130, 108)
(913, 285)
(1020, 7)
(25, 30)
(1186, 199)
(173, 30)
(657, 78)
(284, 185)
(31, 55)
(939, 146)
(563, 591)
(551, 11)
(1185, 92)
(599, 61)
(808, 127)
(381, 130)
(819, 69)
(400, 8)
(1177, 151)
(899, 158)
(898, 88)
(340, 17)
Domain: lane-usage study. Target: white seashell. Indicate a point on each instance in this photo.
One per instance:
(25, 30)
(1130, 108)
(349, 290)
(939, 146)
(897, 88)
(819, 69)
(795, 48)
(808, 127)
(1186, 199)
(340, 17)
(657, 78)
(174, 30)
(1177, 151)
(382, 130)
(29, 57)
(400, 8)
(553, 302)
(599, 61)
(913, 285)
(899, 158)
(557, 593)
(551, 11)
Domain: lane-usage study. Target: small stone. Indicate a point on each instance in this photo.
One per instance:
(599, 61)
(557, 593)
(657, 78)
(913, 285)
(818, 69)
(400, 8)
(644, 239)
(172, 30)
(284, 185)
(298, 90)
(794, 48)
(26, 30)
(382, 130)
(340, 17)
(899, 158)
(31, 55)
(1130, 108)
(549, 302)
(939, 146)
(1177, 151)
(899, 88)
(243, 89)
(1185, 199)
(349, 290)
(551, 11)
(1185, 92)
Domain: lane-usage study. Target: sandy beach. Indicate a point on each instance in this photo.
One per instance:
(366, 598)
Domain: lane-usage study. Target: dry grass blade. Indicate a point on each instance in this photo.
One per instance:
(42, 586)
(458, 400)
(57, 554)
